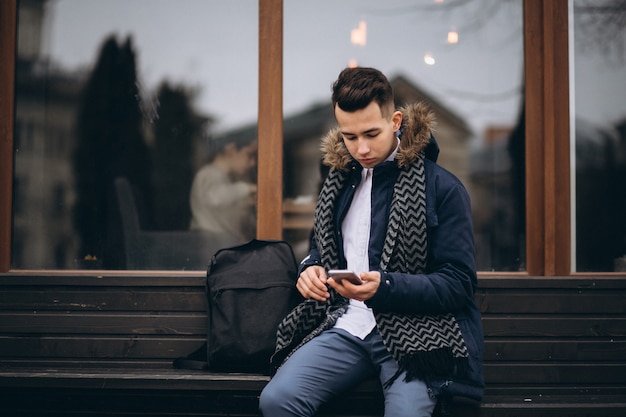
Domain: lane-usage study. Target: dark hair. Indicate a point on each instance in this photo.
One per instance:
(239, 137)
(356, 88)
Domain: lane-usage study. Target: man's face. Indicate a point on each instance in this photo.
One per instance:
(369, 137)
(242, 160)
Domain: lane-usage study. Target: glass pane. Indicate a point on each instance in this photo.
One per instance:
(464, 58)
(599, 131)
(119, 104)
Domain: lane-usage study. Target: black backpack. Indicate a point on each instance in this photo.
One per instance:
(250, 288)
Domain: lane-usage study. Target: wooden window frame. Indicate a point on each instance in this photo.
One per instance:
(548, 240)
(548, 220)
(8, 30)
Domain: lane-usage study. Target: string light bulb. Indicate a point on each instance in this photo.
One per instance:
(358, 36)
(453, 36)
(429, 59)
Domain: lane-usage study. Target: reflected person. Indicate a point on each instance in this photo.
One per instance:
(223, 197)
(388, 212)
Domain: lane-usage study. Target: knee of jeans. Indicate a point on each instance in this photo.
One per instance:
(270, 399)
(277, 400)
(266, 399)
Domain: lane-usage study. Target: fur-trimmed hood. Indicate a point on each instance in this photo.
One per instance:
(418, 123)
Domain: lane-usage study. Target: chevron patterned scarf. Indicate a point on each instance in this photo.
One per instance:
(423, 345)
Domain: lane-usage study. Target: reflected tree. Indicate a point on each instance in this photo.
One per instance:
(110, 143)
(175, 128)
(600, 31)
(600, 28)
(517, 153)
(600, 206)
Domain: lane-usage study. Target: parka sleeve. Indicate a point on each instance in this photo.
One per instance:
(313, 258)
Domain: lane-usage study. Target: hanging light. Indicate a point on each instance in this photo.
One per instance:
(453, 36)
(358, 36)
(429, 59)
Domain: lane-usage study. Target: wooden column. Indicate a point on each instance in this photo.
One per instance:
(8, 27)
(270, 166)
(547, 138)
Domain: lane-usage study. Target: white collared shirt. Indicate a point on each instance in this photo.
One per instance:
(359, 320)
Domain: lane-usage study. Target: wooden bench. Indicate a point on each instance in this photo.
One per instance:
(103, 346)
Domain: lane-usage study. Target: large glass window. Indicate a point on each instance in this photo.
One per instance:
(598, 118)
(135, 138)
(464, 58)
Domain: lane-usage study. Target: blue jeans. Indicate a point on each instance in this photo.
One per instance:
(333, 363)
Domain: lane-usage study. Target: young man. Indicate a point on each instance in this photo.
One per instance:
(403, 224)
(222, 198)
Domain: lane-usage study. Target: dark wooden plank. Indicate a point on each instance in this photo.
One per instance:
(114, 299)
(109, 279)
(172, 298)
(91, 347)
(64, 403)
(551, 301)
(131, 378)
(554, 326)
(609, 281)
(516, 349)
(107, 399)
(214, 404)
(104, 323)
(127, 377)
(576, 392)
(551, 410)
(554, 373)
(197, 279)
(154, 364)
(97, 346)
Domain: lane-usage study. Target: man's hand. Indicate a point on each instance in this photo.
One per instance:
(312, 283)
(362, 292)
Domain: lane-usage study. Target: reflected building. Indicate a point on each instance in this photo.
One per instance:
(600, 232)
(499, 239)
(44, 138)
(44, 185)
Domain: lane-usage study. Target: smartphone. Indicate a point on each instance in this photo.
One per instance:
(339, 274)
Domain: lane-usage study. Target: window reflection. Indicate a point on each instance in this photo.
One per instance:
(464, 58)
(117, 108)
(599, 134)
(223, 193)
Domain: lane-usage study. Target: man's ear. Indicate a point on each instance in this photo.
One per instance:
(396, 118)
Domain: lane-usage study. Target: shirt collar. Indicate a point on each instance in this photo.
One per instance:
(393, 154)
